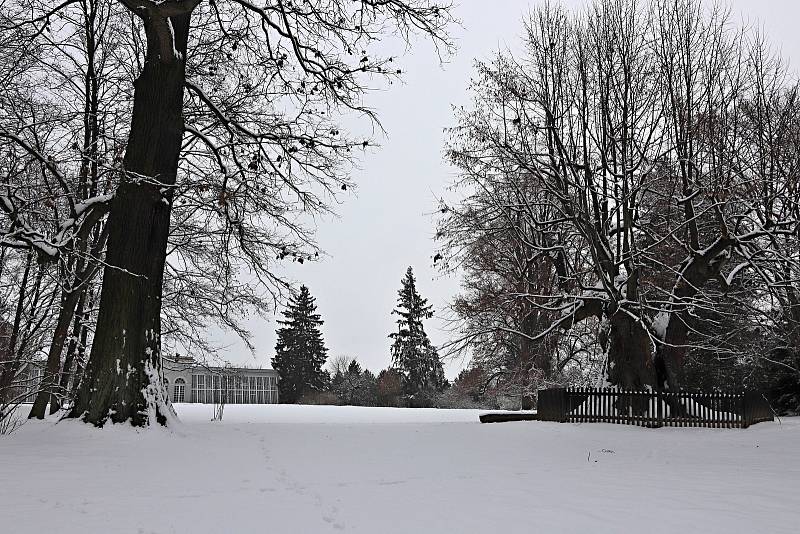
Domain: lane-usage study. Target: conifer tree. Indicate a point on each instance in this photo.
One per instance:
(300, 352)
(413, 355)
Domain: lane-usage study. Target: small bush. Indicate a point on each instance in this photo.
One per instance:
(452, 398)
(320, 398)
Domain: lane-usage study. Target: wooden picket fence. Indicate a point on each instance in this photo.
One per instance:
(715, 409)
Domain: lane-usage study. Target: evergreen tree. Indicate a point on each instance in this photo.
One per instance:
(352, 384)
(412, 352)
(300, 352)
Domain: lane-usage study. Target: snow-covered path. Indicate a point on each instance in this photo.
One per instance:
(293, 469)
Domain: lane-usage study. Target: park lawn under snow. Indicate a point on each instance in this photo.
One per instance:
(309, 469)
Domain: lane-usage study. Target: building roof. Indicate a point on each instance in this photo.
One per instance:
(181, 363)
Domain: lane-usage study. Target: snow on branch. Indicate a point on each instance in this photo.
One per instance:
(22, 236)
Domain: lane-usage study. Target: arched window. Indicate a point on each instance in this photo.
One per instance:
(180, 390)
(165, 382)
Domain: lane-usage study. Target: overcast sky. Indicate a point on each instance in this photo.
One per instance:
(389, 224)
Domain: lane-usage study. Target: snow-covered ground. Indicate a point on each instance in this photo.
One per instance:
(306, 469)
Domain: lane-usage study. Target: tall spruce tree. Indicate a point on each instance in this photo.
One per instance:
(412, 352)
(300, 352)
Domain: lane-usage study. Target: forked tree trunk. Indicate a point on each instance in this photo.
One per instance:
(121, 381)
(694, 275)
(632, 361)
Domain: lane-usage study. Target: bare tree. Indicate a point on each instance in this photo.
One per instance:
(642, 127)
(68, 134)
(25, 323)
(234, 108)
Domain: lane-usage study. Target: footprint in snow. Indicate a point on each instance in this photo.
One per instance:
(331, 518)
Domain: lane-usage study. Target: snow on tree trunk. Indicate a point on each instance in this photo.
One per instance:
(121, 378)
(671, 322)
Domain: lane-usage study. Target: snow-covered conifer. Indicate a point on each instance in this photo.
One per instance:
(412, 352)
(300, 352)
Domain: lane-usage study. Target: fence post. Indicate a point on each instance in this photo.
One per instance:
(744, 405)
(614, 405)
(659, 408)
(745, 410)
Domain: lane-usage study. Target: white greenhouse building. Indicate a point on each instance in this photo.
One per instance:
(188, 381)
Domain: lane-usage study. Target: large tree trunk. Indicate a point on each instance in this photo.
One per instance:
(629, 360)
(629, 353)
(121, 381)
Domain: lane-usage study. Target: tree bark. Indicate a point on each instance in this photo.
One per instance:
(71, 298)
(121, 381)
(10, 368)
(629, 353)
(67, 309)
(69, 358)
(77, 349)
(697, 272)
